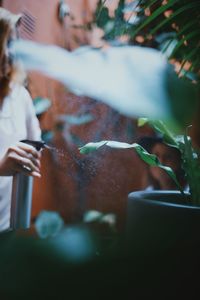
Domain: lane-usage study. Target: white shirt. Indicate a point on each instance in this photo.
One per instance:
(17, 121)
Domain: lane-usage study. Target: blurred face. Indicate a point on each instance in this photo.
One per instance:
(168, 157)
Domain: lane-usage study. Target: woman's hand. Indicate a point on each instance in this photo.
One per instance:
(22, 158)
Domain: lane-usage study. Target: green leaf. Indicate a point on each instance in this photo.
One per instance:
(47, 136)
(48, 224)
(173, 15)
(97, 216)
(92, 216)
(142, 121)
(128, 83)
(155, 14)
(41, 105)
(186, 59)
(150, 159)
(184, 105)
(90, 147)
(186, 38)
(174, 40)
(102, 15)
(161, 128)
(192, 168)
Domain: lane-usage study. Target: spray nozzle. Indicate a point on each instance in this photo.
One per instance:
(37, 144)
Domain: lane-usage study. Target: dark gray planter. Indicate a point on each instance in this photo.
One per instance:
(162, 222)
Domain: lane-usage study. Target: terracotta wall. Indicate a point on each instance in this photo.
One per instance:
(72, 183)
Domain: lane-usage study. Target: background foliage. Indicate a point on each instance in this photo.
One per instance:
(171, 26)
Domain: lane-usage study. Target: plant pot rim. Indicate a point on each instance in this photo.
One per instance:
(154, 198)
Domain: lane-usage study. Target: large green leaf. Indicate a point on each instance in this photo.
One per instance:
(150, 159)
(180, 16)
(90, 147)
(136, 81)
(190, 157)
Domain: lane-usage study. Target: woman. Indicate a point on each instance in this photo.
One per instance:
(17, 120)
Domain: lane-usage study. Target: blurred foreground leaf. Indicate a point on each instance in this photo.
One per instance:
(136, 81)
(48, 224)
(41, 105)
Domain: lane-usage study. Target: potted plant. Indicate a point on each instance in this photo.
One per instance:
(162, 219)
(165, 218)
(172, 217)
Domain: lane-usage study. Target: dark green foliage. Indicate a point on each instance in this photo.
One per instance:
(191, 165)
(112, 26)
(172, 27)
(101, 15)
(183, 21)
(190, 156)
